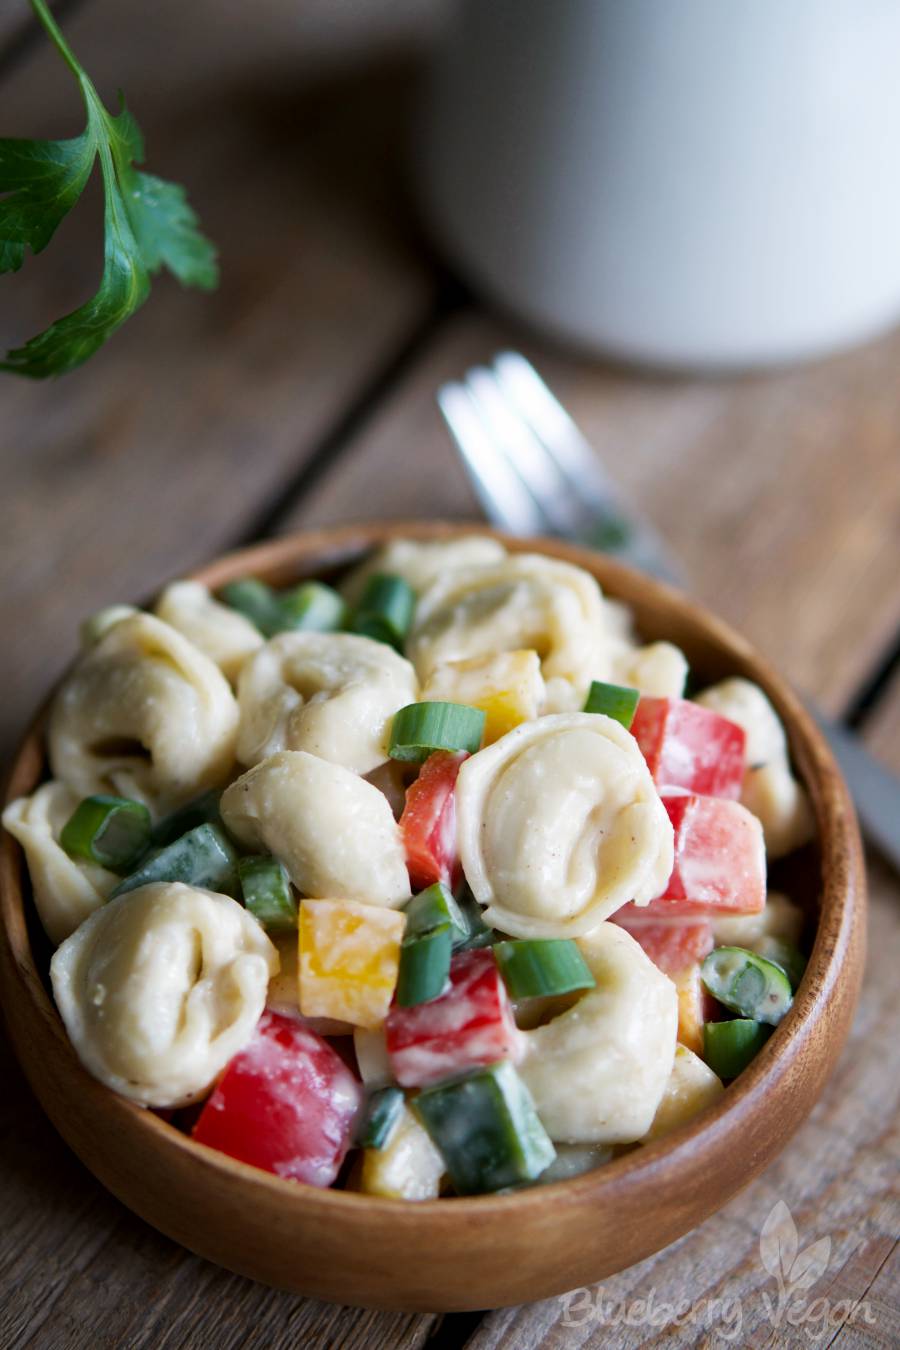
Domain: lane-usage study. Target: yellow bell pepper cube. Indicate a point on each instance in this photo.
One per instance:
(508, 687)
(409, 1167)
(692, 1007)
(692, 1086)
(349, 958)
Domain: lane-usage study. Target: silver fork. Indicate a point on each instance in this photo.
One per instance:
(534, 473)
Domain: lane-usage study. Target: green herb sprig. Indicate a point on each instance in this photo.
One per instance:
(148, 222)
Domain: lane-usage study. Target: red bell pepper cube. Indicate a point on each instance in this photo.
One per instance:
(720, 861)
(471, 1024)
(285, 1103)
(691, 747)
(673, 945)
(428, 822)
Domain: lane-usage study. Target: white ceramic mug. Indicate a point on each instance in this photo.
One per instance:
(684, 182)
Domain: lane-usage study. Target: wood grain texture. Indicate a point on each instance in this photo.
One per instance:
(836, 1177)
(486, 1250)
(839, 1180)
(80, 1270)
(285, 121)
(779, 493)
(202, 409)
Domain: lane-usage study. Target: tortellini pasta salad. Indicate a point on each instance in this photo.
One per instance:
(434, 883)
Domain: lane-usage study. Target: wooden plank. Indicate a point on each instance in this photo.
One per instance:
(779, 493)
(835, 1177)
(883, 1297)
(813, 451)
(155, 456)
(79, 1270)
(284, 125)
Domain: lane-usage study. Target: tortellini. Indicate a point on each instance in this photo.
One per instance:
(420, 563)
(96, 625)
(559, 824)
(221, 633)
(144, 714)
(66, 890)
(598, 1072)
(658, 670)
(160, 988)
(508, 688)
(770, 790)
(524, 602)
(331, 694)
(781, 919)
(334, 832)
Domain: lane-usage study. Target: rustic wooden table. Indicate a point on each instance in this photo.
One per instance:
(302, 393)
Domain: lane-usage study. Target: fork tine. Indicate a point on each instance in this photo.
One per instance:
(504, 498)
(525, 453)
(563, 441)
(578, 464)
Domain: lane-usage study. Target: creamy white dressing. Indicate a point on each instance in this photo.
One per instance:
(160, 988)
(331, 694)
(144, 714)
(560, 824)
(598, 1072)
(66, 890)
(334, 832)
(220, 632)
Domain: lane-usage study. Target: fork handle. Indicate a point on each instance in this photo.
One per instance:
(875, 791)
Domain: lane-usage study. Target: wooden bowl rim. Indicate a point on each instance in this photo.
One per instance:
(841, 891)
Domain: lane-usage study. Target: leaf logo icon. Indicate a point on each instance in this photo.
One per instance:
(778, 1243)
(810, 1265)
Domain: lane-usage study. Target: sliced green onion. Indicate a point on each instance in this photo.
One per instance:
(202, 857)
(203, 810)
(728, 1047)
(535, 967)
(267, 893)
(486, 1129)
(433, 908)
(256, 601)
(385, 611)
(784, 954)
(311, 607)
(747, 984)
(113, 832)
(380, 1117)
(421, 728)
(479, 933)
(614, 700)
(424, 966)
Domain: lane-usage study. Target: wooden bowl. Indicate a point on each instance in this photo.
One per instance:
(487, 1251)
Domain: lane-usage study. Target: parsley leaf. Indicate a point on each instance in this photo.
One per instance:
(43, 180)
(148, 223)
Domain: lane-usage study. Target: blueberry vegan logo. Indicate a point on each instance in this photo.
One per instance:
(795, 1272)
